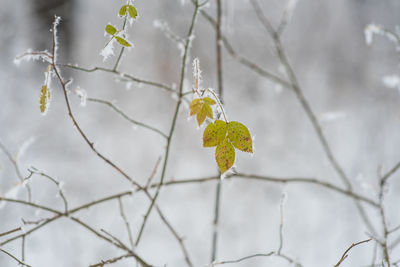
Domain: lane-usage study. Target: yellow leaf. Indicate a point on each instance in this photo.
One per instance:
(207, 110)
(240, 137)
(225, 155)
(209, 101)
(195, 106)
(201, 107)
(201, 117)
(214, 133)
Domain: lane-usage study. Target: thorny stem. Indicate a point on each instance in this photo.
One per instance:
(183, 71)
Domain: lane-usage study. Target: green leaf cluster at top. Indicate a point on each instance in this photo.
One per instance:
(227, 136)
(125, 11)
(128, 10)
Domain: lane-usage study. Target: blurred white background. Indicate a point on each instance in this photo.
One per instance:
(341, 77)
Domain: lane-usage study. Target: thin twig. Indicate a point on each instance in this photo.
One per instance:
(244, 61)
(307, 107)
(345, 255)
(114, 241)
(15, 258)
(123, 47)
(120, 112)
(217, 207)
(33, 170)
(272, 253)
(10, 231)
(390, 173)
(281, 223)
(174, 119)
(124, 75)
(16, 168)
(112, 260)
(177, 237)
(384, 243)
(127, 225)
(273, 179)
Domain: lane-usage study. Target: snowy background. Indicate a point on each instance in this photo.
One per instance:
(341, 76)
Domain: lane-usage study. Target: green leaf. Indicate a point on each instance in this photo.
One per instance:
(209, 101)
(214, 133)
(195, 106)
(122, 41)
(225, 155)
(110, 29)
(132, 11)
(122, 11)
(240, 137)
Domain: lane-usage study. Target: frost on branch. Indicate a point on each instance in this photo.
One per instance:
(391, 81)
(369, 32)
(33, 55)
(81, 94)
(108, 50)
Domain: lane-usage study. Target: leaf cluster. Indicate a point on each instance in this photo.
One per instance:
(201, 107)
(125, 11)
(225, 136)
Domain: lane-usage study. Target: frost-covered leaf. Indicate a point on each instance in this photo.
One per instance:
(214, 133)
(110, 29)
(132, 11)
(195, 106)
(122, 41)
(122, 11)
(209, 101)
(225, 155)
(240, 137)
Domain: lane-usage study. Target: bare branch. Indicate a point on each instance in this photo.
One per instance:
(120, 112)
(10, 231)
(15, 258)
(344, 256)
(112, 260)
(173, 123)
